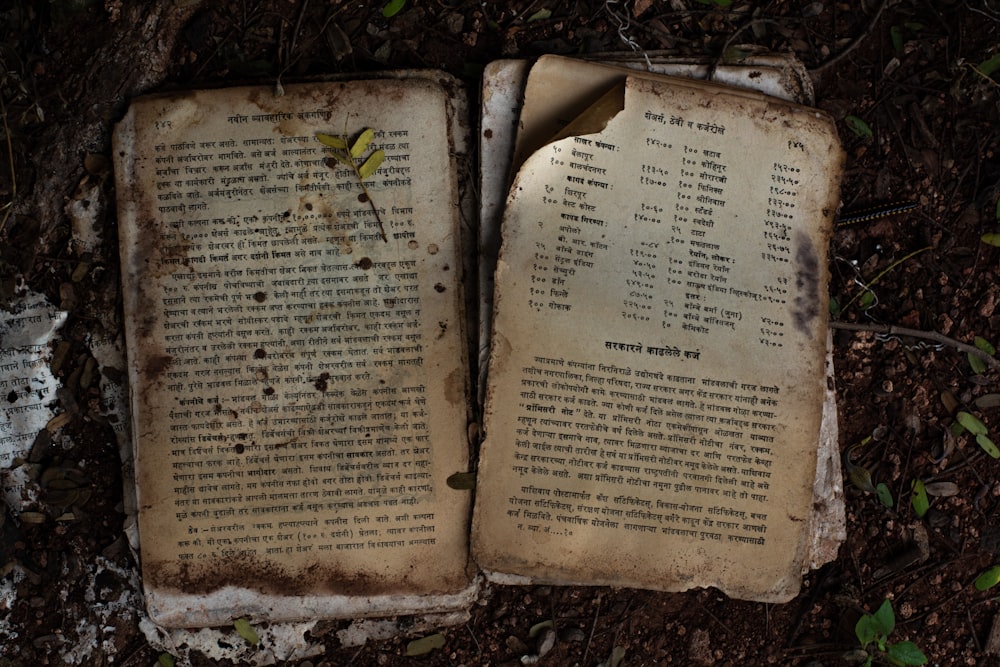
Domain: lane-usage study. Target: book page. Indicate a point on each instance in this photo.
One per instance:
(657, 371)
(299, 385)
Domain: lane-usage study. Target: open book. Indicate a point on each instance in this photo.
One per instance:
(303, 375)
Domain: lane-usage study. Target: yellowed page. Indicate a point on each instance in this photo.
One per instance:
(657, 372)
(299, 386)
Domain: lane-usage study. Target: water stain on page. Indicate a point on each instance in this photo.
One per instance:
(805, 308)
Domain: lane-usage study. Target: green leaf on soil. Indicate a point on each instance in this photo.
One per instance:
(885, 617)
(984, 345)
(971, 423)
(371, 165)
(867, 300)
(906, 653)
(834, 307)
(884, 494)
(978, 365)
(866, 629)
(988, 446)
(896, 33)
(987, 67)
(392, 8)
(165, 660)
(859, 127)
(246, 631)
(540, 15)
(424, 645)
(919, 500)
(988, 579)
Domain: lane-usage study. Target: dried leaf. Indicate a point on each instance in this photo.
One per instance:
(331, 141)
(246, 631)
(424, 645)
(538, 627)
(372, 164)
(941, 489)
(361, 143)
(462, 481)
(987, 401)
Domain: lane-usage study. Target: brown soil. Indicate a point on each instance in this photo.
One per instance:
(906, 68)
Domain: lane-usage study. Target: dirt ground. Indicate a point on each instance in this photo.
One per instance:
(908, 82)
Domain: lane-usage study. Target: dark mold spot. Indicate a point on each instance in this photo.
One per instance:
(268, 391)
(363, 198)
(259, 297)
(238, 448)
(488, 133)
(259, 353)
(807, 299)
(364, 263)
(439, 288)
(309, 206)
(12, 397)
(321, 381)
(156, 365)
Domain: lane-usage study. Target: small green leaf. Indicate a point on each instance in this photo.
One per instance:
(971, 423)
(956, 429)
(834, 307)
(246, 631)
(896, 34)
(866, 630)
(997, 211)
(424, 645)
(867, 299)
(988, 446)
(392, 8)
(987, 67)
(906, 653)
(884, 494)
(617, 655)
(984, 345)
(331, 141)
(462, 481)
(978, 365)
(371, 165)
(858, 127)
(361, 143)
(540, 15)
(165, 660)
(919, 499)
(988, 579)
(886, 618)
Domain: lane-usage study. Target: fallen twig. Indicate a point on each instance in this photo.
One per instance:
(893, 330)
